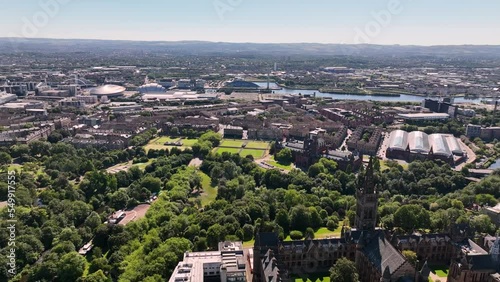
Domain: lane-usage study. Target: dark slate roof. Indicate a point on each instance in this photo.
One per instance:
(268, 239)
(270, 266)
(482, 262)
(472, 249)
(381, 253)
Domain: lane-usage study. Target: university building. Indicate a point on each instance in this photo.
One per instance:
(376, 253)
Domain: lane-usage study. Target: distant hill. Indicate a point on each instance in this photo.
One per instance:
(8, 45)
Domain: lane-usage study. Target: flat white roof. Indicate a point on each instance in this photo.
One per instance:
(424, 115)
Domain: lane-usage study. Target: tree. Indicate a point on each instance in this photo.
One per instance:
(39, 148)
(119, 199)
(97, 276)
(284, 156)
(330, 165)
(93, 220)
(482, 223)
(410, 217)
(99, 264)
(71, 267)
(300, 218)
(212, 137)
(174, 131)
(283, 220)
(296, 235)
(411, 256)
(55, 137)
(5, 158)
(215, 234)
(247, 232)
(309, 234)
(344, 270)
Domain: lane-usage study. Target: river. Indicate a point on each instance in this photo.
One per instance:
(401, 98)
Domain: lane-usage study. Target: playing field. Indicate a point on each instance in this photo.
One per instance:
(257, 145)
(231, 143)
(255, 153)
(159, 147)
(164, 139)
(188, 142)
(229, 150)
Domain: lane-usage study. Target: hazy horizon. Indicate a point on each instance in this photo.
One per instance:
(229, 42)
(380, 22)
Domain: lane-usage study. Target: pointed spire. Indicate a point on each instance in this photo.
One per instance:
(425, 271)
(369, 182)
(387, 274)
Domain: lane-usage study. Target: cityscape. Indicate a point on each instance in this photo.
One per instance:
(199, 157)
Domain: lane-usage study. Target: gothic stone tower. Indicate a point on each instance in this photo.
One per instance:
(367, 201)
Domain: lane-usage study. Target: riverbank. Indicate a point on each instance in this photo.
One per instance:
(360, 93)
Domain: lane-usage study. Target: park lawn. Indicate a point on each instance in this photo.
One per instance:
(163, 139)
(209, 192)
(143, 166)
(249, 244)
(440, 270)
(188, 142)
(278, 165)
(255, 153)
(314, 278)
(15, 167)
(257, 145)
(231, 143)
(229, 150)
(154, 147)
(324, 232)
(160, 146)
(21, 168)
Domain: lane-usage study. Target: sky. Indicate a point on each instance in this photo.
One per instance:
(405, 22)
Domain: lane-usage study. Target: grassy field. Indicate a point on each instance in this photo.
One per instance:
(441, 270)
(18, 167)
(143, 166)
(159, 147)
(313, 278)
(320, 234)
(323, 233)
(248, 244)
(255, 153)
(231, 143)
(163, 139)
(229, 150)
(209, 192)
(188, 142)
(278, 165)
(257, 145)
(15, 167)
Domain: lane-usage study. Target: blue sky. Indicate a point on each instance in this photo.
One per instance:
(419, 22)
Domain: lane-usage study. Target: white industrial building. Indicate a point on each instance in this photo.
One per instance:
(229, 263)
(419, 145)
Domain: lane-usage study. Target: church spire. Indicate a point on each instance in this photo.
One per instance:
(367, 201)
(369, 179)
